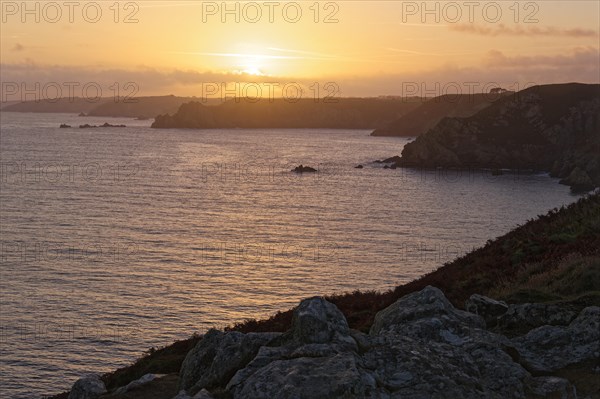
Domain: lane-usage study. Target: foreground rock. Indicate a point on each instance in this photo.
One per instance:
(488, 308)
(419, 347)
(217, 357)
(145, 379)
(88, 387)
(424, 348)
(527, 316)
(203, 394)
(317, 358)
(550, 348)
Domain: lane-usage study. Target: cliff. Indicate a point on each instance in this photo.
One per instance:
(347, 113)
(427, 115)
(552, 128)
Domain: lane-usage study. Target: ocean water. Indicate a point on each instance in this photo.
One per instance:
(116, 240)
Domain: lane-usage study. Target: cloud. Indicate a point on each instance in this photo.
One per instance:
(578, 57)
(532, 31)
(18, 47)
(513, 72)
(148, 81)
(496, 68)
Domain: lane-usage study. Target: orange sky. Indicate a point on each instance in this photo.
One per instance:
(366, 47)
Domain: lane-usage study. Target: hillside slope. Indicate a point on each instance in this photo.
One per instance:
(426, 116)
(349, 113)
(552, 128)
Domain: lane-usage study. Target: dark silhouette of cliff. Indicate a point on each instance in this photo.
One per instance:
(348, 113)
(552, 128)
(426, 116)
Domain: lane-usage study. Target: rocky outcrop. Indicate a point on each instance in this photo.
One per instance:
(579, 180)
(317, 358)
(552, 128)
(216, 358)
(88, 387)
(518, 317)
(550, 348)
(531, 315)
(420, 315)
(203, 394)
(488, 308)
(143, 380)
(552, 387)
(419, 347)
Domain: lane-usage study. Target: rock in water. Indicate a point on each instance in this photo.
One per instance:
(88, 387)
(578, 180)
(304, 169)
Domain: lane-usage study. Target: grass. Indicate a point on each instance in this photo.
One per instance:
(555, 257)
(569, 277)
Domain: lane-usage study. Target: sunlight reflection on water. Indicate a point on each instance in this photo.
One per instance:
(117, 240)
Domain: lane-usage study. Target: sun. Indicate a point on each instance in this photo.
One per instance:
(252, 65)
(252, 70)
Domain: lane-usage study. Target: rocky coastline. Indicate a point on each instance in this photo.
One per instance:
(432, 111)
(552, 128)
(421, 346)
(518, 318)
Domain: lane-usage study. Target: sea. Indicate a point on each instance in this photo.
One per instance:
(115, 240)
